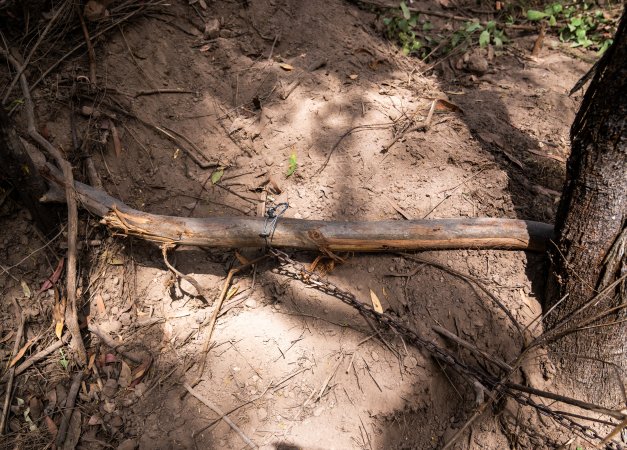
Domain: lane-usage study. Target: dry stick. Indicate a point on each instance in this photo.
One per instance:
(163, 91)
(469, 279)
(473, 348)
(222, 415)
(38, 356)
(422, 126)
(347, 133)
(71, 315)
(32, 51)
(69, 408)
(108, 340)
(95, 36)
(90, 51)
(202, 292)
(11, 374)
(214, 316)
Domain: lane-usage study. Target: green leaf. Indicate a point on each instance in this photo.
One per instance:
(605, 46)
(557, 8)
(484, 38)
(498, 41)
(405, 9)
(217, 175)
(552, 21)
(491, 25)
(293, 164)
(427, 26)
(534, 15)
(473, 26)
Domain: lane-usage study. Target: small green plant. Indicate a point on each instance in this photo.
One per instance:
(489, 34)
(292, 165)
(63, 361)
(403, 30)
(577, 24)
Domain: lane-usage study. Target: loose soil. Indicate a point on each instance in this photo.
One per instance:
(292, 367)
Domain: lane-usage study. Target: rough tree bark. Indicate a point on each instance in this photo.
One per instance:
(591, 234)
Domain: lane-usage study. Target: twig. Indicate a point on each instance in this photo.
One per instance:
(39, 356)
(90, 51)
(11, 374)
(201, 292)
(347, 133)
(214, 316)
(95, 36)
(71, 314)
(69, 408)
(32, 51)
(422, 126)
(209, 404)
(109, 342)
(329, 377)
(163, 91)
(473, 348)
(471, 280)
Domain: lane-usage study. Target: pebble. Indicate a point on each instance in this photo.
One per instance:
(370, 269)
(212, 29)
(125, 319)
(251, 303)
(410, 362)
(116, 281)
(128, 444)
(116, 421)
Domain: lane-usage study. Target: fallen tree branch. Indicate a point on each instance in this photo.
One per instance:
(385, 235)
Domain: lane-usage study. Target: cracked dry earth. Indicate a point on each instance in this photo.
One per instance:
(292, 367)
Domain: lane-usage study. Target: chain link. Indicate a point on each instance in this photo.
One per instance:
(295, 270)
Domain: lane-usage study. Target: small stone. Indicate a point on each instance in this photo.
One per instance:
(108, 406)
(128, 444)
(116, 421)
(268, 160)
(116, 281)
(140, 389)
(106, 296)
(370, 269)
(410, 362)
(110, 388)
(125, 319)
(477, 64)
(251, 303)
(318, 411)
(212, 29)
(262, 413)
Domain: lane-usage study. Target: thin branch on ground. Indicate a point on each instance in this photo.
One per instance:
(68, 410)
(200, 291)
(71, 313)
(209, 404)
(11, 373)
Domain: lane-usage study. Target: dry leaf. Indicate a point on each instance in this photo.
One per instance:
(7, 337)
(353, 76)
(22, 351)
(232, 292)
(58, 315)
(117, 145)
(285, 66)
(100, 306)
(205, 48)
(52, 427)
(95, 420)
(53, 278)
(376, 303)
(442, 105)
(26, 289)
(140, 371)
(92, 359)
(125, 377)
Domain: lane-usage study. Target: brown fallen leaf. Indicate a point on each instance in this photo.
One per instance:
(51, 426)
(19, 355)
(53, 278)
(442, 105)
(140, 371)
(286, 66)
(58, 314)
(125, 378)
(117, 145)
(376, 303)
(100, 306)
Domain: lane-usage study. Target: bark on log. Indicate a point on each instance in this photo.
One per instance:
(387, 235)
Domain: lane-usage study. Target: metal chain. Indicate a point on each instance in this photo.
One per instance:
(293, 269)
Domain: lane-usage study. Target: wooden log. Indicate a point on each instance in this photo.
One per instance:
(334, 236)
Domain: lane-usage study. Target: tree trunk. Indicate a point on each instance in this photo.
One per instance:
(19, 170)
(591, 235)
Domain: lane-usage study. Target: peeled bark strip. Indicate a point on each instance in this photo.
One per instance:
(386, 235)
